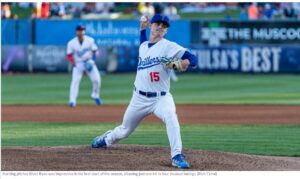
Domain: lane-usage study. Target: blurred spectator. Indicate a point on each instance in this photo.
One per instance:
(146, 9)
(34, 13)
(58, 9)
(296, 6)
(104, 8)
(89, 10)
(89, 7)
(127, 8)
(158, 8)
(45, 10)
(149, 9)
(77, 13)
(203, 8)
(253, 13)
(74, 9)
(141, 7)
(171, 11)
(110, 7)
(100, 8)
(5, 11)
(268, 12)
(243, 14)
(289, 12)
(15, 16)
(261, 10)
(25, 4)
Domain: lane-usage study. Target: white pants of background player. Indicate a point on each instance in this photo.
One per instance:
(77, 74)
(140, 107)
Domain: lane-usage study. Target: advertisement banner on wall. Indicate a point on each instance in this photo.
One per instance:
(227, 59)
(249, 59)
(217, 33)
(105, 32)
(109, 59)
(53, 59)
(49, 59)
(14, 58)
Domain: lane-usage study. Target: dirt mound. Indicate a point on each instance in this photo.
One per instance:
(133, 157)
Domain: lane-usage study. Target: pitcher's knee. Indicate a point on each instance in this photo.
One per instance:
(170, 115)
(170, 118)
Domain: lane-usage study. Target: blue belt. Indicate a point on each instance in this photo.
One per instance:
(150, 94)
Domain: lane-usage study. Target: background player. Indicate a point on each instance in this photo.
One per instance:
(151, 92)
(81, 53)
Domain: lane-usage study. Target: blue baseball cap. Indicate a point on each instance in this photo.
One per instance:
(80, 27)
(160, 18)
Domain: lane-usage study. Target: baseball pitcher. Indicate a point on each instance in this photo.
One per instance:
(143, 38)
(151, 92)
(81, 53)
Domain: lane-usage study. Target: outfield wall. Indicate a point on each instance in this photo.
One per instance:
(221, 46)
(249, 59)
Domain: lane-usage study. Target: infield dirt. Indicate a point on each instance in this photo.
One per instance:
(192, 114)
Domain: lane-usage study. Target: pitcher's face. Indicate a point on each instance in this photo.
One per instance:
(158, 29)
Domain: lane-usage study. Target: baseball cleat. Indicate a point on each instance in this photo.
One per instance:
(98, 101)
(72, 104)
(179, 161)
(99, 142)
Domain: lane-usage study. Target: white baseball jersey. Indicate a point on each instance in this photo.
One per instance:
(152, 76)
(81, 52)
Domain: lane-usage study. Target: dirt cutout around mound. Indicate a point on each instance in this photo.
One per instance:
(134, 157)
(193, 114)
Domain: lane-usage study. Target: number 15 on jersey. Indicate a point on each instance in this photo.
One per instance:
(154, 76)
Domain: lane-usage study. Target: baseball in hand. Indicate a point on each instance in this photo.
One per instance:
(144, 19)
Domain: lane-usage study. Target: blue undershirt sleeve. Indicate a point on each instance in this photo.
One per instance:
(143, 36)
(94, 57)
(192, 58)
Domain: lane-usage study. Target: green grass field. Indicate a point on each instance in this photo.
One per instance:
(191, 89)
(262, 139)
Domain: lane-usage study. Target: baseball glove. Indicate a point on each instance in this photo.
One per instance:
(172, 63)
(88, 66)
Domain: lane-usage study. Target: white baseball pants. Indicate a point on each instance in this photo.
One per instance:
(140, 106)
(77, 74)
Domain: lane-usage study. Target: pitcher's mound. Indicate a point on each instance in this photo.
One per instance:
(133, 157)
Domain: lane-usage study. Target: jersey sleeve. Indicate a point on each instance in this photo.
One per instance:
(94, 46)
(173, 50)
(69, 48)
